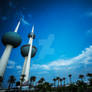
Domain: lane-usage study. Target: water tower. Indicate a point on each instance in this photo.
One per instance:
(10, 40)
(28, 51)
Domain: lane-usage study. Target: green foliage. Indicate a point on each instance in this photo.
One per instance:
(11, 81)
(90, 81)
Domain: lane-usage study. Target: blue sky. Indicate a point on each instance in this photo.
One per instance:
(63, 32)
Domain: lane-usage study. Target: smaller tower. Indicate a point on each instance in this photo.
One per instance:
(28, 51)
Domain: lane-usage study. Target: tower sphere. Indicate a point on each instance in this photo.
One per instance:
(31, 34)
(25, 50)
(11, 38)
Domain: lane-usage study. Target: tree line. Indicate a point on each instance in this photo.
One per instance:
(58, 85)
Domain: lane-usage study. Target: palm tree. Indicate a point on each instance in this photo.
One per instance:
(58, 79)
(89, 74)
(61, 81)
(54, 82)
(32, 80)
(46, 87)
(70, 78)
(90, 78)
(39, 82)
(64, 80)
(42, 79)
(11, 81)
(1, 80)
(22, 80)
(18, 83)
(81, 77)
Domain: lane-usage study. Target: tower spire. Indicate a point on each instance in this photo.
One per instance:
(33, 29)
(16, 29)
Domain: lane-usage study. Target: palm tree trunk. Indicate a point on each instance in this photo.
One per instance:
(12, 85)
(54, 83)
(61, 83)
(0, 85)
(9, 85)
(64, 82)
(33, 83)
(70, 80)
(58, 83)
(81, 79)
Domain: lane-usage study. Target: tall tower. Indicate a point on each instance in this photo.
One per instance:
(10, 40)
(28, 51)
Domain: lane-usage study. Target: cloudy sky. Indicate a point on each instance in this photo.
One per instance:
(63, 30)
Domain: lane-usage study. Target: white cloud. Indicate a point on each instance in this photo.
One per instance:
(89, 32)
(89, 14)
(10, 67)
(25, 22)
(19, 72)
(18, 67)
(11, 64)
(85, 58)
(44, 72)
(36, 66)
(46, 48)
